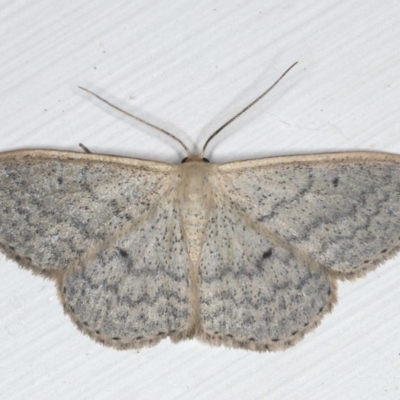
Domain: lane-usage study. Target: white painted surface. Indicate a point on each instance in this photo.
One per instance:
(189, 66)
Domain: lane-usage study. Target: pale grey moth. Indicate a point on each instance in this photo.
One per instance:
(244, 254)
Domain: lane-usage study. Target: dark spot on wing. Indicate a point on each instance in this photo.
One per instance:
(123, 253)
(267, 254)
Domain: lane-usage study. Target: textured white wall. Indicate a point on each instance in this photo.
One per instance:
(189, 66)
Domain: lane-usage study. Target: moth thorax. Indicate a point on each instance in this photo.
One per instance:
(195, 206)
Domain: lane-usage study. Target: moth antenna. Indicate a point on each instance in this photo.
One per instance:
(139, 119)
(244, 110)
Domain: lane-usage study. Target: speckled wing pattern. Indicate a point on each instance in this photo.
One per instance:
(134, 292)
(244, 254)
(254, 293)
(289, 227)
(93, 224)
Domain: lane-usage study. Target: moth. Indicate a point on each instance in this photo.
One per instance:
(244, 254)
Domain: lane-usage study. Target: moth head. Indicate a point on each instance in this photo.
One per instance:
(194, 158)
